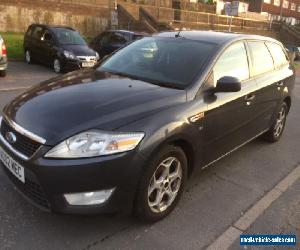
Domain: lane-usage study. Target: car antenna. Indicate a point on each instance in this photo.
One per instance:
(178, 34)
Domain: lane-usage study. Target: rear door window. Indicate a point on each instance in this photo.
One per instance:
(279, 56)
(261, 57)
(38, 32)
(47, 37)
(233, 62)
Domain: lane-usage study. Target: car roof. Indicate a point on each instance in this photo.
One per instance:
(128, 32)
(213, 36)
(53, 26)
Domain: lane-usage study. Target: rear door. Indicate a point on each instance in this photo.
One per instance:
(270, 79)
(28, 37)
(230, 119)
(35, 47)
(47, 47)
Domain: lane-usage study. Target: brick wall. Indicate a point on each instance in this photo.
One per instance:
(90, 17)
(273, 9)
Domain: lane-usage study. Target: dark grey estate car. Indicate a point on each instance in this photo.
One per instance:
(127, 134)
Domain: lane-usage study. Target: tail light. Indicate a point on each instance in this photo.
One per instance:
(4, 52)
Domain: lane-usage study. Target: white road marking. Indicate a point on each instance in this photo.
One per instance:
(225, 240)
(13, 89)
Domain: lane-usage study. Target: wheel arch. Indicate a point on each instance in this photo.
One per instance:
(187, 148)
(288, 101)
(185, 144)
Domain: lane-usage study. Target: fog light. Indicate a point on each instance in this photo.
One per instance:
(89, 198)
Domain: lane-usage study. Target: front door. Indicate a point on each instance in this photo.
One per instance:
(36, 42)
(230, 118)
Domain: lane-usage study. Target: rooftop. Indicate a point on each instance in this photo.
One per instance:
(212, 36)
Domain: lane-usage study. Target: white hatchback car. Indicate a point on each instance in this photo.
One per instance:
(3, 58)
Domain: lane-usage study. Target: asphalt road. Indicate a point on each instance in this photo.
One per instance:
(214, 199)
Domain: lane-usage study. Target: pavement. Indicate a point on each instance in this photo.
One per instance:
(253, 190)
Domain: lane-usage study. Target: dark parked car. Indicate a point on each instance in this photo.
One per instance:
(62, 48)
(111, 40)
(3, 58)
(293, 52)
(128, 134)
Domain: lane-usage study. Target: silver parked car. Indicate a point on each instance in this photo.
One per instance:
(3, 57)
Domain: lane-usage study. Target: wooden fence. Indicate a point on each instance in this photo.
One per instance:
(169, 15)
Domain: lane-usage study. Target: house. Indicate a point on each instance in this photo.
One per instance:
(285, 10)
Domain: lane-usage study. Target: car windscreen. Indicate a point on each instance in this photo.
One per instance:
(173, 62)
(66, 36)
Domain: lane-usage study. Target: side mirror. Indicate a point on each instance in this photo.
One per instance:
(228, 84)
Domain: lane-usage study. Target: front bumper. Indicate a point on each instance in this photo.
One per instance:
(47, 180)
(71, 65)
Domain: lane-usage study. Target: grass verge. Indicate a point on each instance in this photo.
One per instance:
(296, 64)
(14, 44)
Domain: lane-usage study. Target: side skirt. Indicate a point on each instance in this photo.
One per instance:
(236, 148)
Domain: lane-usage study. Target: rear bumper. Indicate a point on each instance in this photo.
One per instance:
(3, 63)
(46, 181)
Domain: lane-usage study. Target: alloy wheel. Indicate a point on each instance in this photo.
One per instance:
(165, 184)
(280, 121)
(28, 56)
(56, 66)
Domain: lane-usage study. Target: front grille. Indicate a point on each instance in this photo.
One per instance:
(31, 189)
(87, 58)
(24, 145)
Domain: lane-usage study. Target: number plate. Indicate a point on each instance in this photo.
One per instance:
(88, 64)
(15, 168)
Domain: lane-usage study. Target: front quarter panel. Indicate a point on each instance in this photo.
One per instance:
(172, 125)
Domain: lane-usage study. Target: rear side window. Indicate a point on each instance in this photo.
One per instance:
(278, 54)
(117, 38)
(262, 59)
(29, 31)
(233, 62)
(103, 39)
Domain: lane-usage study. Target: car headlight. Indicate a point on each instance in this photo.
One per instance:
(95, 143)
(69, 55)
(97, 56)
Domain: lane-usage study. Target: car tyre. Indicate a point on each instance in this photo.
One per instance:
(161, 185)
(57, 66)
(277, 128)
(28, 57)
(2, 73)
